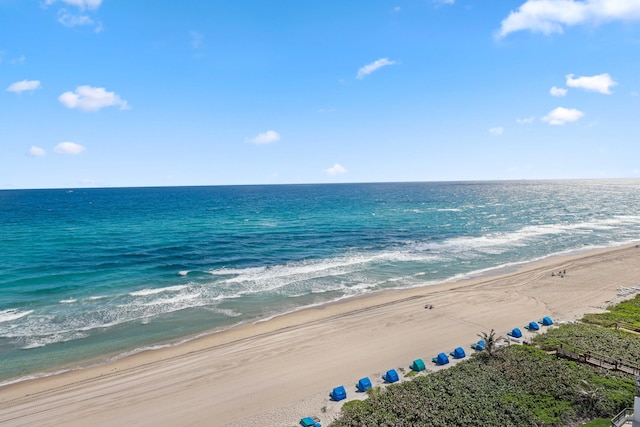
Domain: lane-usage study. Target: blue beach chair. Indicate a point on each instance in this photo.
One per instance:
(515, 333)
(533, 326)
(418, 365)
(479, 346)
(441, 359)
(546, 321)
(364, 384)
(458, 353)
(310, 422)
(391, 376)
(338, 393)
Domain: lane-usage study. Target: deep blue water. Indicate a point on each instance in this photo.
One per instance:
(95, 273)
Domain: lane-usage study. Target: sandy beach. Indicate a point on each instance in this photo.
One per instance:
(275, 372)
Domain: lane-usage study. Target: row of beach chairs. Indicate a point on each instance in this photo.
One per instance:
(391, 376)
(531, 327)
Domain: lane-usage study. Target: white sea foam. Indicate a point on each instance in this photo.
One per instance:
(176, 300)
(183, 272)
(154, 291)
(257, 280)
(13, 314)
(67, 301)
(500, 242)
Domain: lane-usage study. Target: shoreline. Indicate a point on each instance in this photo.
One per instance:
(278, 370)
(486, 273)
(489, 272)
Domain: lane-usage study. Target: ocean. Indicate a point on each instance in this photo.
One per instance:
(90, 275)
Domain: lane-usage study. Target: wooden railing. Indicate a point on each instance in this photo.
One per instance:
(624, 416)
(598, 360)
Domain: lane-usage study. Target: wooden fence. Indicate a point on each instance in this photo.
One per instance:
(602, 361)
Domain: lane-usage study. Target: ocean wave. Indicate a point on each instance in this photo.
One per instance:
(500, 242)
(13, 314)
(177, 300)
(42, 341)
(154, 291)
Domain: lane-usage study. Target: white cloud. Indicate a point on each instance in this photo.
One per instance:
(24, 85)
(336, 169)
(71, 20)
(18, 60)
(90, 98)
(197, 39)
(601, 83)
(266, 137)
(559, 116)
(375, 65)
(497, 131)
(82, 4)
(69, 148)
(551, 16)
(525, 121)
(558, 91)
(444, 1)
(36, 151)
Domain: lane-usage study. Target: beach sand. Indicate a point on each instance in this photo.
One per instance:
(275, 372)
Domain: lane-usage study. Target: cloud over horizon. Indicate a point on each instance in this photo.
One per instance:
(560, 116)
(88, 98)
(68, 148)
(552, 16)
(374, 66)
(336, 169)
(24, 85)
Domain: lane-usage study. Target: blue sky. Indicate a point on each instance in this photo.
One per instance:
(130, 93)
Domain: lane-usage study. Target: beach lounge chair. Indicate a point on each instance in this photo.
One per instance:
(364, 384)
(458, 353)
(310, 422)
(441, 359)
(338, 393)
(391, 376)
(533, 326)
(418, 365)
(515, 333)
(479, 346)
(546, 321)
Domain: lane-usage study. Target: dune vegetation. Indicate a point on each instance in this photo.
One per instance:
(516, 385)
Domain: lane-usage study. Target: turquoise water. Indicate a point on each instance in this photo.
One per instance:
(89, 274)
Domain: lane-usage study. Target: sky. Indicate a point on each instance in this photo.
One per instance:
(121, 93)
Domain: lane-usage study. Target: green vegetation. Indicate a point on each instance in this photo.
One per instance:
(411, 374)
(613, 343)
(517, 385)
(626, 312)
(599, 422)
